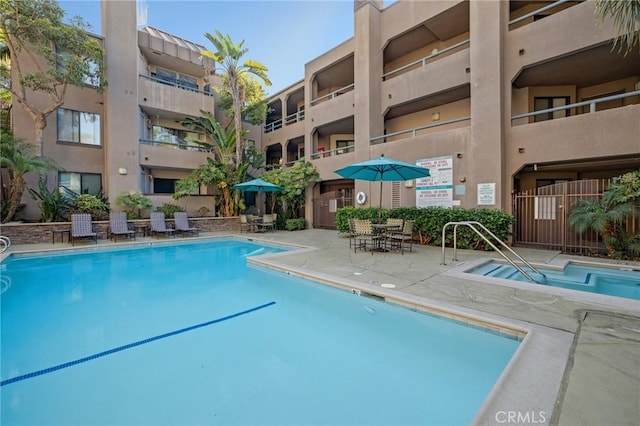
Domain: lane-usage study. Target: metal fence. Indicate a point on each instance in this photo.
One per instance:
(541, 217)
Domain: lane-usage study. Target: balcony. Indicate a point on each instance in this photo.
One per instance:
(159, 95)
(174, 155)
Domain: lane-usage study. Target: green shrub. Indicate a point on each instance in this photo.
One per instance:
(169, 209)
(87, 203)
(428, 223)
(53, 204)
(296, 224)
(133, 202)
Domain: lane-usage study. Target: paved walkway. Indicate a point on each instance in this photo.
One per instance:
(598, 374)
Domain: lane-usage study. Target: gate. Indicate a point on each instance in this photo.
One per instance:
(541, 217)
(325, 207)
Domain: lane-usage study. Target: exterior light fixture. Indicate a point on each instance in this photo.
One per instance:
(122, 171)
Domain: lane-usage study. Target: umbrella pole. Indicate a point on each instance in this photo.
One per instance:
(380, 206)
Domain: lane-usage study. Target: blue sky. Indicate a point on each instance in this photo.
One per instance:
(283, 35)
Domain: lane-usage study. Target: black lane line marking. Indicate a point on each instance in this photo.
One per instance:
(129, 346)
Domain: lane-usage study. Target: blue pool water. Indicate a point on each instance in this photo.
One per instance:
(612, 281)
(190, 334)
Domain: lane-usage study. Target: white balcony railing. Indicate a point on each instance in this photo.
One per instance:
(412, 133)
(423, 61)
(294, 118)
(592, 103)
(274, 125)
(338, 151)
(537, 11)
(334, 94)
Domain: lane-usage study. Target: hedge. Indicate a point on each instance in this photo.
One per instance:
(428, 223)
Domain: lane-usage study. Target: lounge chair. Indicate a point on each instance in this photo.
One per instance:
(158, 225)
(82, 227)
(118, 226)
(182, 224)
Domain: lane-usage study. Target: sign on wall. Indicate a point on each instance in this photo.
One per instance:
(437, 189)
(486, 194)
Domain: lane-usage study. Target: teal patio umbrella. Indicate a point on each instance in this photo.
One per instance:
(258, 185)
(383, 169)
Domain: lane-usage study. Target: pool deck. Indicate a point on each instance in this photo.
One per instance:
(588, 349)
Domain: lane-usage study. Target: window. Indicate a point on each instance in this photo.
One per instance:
(164, 186)
(90, 78)
(341, 146)
(80, 127)
(81, 183)
(540, 104)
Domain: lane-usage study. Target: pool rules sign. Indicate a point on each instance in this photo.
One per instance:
(437, 189)
(486, 194)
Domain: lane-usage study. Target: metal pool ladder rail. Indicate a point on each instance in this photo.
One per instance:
(5, 243)
(474, 226)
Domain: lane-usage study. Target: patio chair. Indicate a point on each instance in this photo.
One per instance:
(400, 239)
(182, 224)
(246, 223)
(82, 227)
(352, 233)
(158, 225)
(365, 235)
(268, 223)
(118, 226)
(399, 222)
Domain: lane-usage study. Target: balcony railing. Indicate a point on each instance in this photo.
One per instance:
(178, 84)
(320, 153)
(294, 118)
(334, 94)
(274, 125)
(423, 61)
(175, 145)
(538, 11)
(414, 132)
(591, 103)
(279, 165)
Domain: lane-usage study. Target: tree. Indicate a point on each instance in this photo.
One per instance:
(229, 56)
(254, 106)
(19, 158)
(222, 171)
(46, 56)
(626, 21)
(295, 180)
(608, 215)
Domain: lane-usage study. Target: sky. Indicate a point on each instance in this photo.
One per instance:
(283, 35)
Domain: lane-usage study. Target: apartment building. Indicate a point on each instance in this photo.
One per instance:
(495, 97)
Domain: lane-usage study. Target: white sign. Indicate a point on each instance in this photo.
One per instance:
(486, 194)
(437, 189)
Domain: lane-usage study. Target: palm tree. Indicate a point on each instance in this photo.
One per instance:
(626, 21)
(19, 158)
(224, 143)
(229, 56)
(608, 215)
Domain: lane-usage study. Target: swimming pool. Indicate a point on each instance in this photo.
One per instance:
(619, 281)
(190, 334)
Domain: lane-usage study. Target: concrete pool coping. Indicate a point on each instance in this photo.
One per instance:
(600, 380)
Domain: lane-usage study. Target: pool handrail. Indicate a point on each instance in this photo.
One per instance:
(472, 224)
(5, 242)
